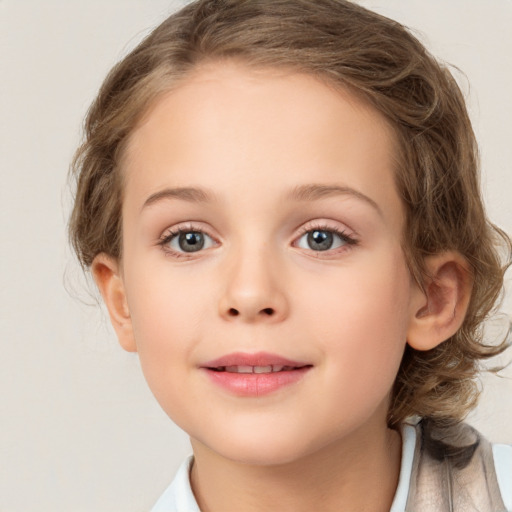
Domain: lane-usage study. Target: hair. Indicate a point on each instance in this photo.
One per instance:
(353, 48)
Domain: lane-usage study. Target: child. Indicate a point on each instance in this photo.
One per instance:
(279, 202)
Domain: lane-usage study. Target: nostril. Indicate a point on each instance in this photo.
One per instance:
(232, 312)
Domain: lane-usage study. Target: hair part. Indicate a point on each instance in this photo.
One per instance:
(347, 46)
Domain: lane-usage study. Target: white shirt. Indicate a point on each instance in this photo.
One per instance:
(178, 497)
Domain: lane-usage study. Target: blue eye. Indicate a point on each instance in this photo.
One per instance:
(188, 241)
(323, 240)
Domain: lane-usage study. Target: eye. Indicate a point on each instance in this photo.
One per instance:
(324, 239)
(187, 241)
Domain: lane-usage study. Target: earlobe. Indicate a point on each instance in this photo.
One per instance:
(444, 303)
(106, 273)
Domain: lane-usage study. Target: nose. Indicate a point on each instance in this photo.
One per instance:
(253, 290)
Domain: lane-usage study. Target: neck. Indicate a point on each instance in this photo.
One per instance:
(360, 473)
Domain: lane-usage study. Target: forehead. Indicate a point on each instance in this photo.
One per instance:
(229, 127)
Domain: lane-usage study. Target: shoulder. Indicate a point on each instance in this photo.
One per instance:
(457, 468)
(502, 455)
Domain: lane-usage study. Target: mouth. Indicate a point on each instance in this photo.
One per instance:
(257, 374)
(275, 368)
(260, 362)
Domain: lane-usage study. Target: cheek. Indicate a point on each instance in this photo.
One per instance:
(166, 315)
(362, 323)
(166, 305)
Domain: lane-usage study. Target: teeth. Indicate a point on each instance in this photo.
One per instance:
(263, 369)
(257, 369)
(239, 369)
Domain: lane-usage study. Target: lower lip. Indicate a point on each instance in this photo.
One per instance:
(256, 384)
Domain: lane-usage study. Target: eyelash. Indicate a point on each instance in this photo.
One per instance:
(171, 233)
(349, 240)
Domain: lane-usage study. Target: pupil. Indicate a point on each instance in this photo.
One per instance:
(191, 241)
(320, 240)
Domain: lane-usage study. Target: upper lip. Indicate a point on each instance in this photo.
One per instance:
(256, 359)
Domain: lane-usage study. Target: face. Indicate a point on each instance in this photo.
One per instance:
(268, 294)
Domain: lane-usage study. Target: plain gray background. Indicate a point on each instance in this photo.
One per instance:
(79, 430)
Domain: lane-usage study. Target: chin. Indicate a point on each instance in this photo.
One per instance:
(262, 449)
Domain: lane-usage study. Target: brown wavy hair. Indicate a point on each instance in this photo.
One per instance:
(377, 58)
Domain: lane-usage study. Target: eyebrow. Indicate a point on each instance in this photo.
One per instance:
(190, 194)
(303, 193)
(318, 191)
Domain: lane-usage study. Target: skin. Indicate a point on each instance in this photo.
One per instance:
(249, 138)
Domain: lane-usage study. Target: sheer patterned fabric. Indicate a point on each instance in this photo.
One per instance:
(453, 471)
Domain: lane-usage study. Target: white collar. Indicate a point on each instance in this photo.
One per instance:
(178, 497)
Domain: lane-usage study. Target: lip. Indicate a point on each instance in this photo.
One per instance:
(257, 359)
(254, 384)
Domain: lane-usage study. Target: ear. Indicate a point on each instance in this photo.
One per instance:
(106, 273)
(442, 307)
